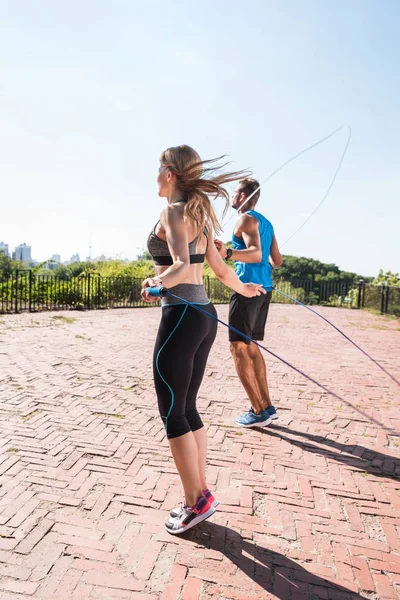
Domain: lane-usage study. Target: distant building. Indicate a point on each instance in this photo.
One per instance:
(75, 258)
(56, 258)
(4, 248)
(22, 253)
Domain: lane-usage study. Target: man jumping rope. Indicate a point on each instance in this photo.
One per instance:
(255, 251)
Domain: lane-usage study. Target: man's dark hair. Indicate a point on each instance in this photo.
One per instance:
(247, 187)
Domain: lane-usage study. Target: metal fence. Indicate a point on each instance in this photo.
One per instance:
(23, 290)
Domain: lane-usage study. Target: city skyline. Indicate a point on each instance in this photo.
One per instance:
(77, 257)
(18, 255)
(21, 252)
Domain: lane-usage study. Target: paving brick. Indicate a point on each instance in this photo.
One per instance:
(117, 581)
(191, 589)
(384, 587)
(177, 577)
(51, 584)
(19, 587)
(16, 571)
(91, 554)
(146, 565)
(34, 537)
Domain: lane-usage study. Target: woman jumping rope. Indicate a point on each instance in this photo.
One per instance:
(179, 243)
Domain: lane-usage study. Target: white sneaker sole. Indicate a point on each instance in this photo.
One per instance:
(258, 424)
(192, 523)
(175, 511)
(273, 417)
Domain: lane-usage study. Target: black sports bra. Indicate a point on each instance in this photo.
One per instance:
(160, 253)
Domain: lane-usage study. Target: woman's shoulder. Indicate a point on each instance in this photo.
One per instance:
(172, 213)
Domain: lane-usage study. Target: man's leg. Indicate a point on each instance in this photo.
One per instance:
(243, 316)
(260, 374)
(259, 366)
(244, 364)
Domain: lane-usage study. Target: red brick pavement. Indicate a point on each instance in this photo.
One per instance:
(310, 507)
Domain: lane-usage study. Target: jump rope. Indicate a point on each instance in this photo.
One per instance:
(163, 291)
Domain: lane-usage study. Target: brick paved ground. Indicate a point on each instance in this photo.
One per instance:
(310, 507)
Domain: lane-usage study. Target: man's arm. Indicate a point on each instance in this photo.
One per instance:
(247, 227)
(228, 275)
(275, 257)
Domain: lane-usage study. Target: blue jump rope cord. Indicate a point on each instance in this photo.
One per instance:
(341, 333)
(165, 292)
(162, 291)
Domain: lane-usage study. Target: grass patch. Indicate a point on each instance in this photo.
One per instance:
(32, 414)
(376, 312)
(63, 319)
(116, 416)
(382, 328)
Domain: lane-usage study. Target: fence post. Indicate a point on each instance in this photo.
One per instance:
(387, 300)
(360, 293)
(88, 292)
(30, 291)
(16, 291)
(98, 290)
(383, 298)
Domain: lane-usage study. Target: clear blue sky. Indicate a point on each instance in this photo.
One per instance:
(92, 91)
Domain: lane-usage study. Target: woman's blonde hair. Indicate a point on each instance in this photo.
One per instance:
(198, 180)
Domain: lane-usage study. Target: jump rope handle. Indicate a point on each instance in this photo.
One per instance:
(157, 291)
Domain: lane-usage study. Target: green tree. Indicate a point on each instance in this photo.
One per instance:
(301, 268)
(145, 255)
(7, 265)
(62, 272)
(388, 277)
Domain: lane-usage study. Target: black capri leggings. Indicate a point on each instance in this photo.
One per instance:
(184, 341)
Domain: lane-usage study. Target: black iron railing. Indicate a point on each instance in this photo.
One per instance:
(23, 290)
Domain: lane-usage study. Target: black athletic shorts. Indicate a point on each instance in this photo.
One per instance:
(249, 316)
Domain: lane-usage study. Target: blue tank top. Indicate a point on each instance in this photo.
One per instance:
(256, 272)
